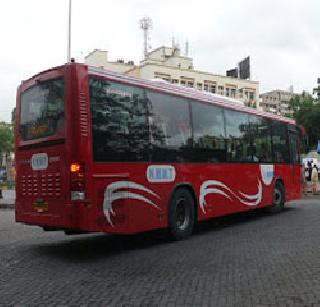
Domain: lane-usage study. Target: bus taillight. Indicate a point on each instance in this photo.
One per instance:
(77, 178)
(75, 167)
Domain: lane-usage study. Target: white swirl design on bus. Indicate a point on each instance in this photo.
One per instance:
(112, 193)
(217, 187)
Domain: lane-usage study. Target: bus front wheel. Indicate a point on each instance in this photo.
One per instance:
(181, 214)
(278, 196)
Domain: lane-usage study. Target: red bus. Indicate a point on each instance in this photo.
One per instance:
(98, 151)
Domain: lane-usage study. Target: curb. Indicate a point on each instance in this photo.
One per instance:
(7, 206)
(7, 203)
(311, 196)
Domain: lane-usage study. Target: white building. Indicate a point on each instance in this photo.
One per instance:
(277, 102)
(168, 64)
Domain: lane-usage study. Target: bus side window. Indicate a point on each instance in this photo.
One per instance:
(237, 136)
(280, 146)
(170, 128)
(119, 121)
(260, 136)
(208, 133)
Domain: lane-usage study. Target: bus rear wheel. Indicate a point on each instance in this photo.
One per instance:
(278, 196)
(181, 214)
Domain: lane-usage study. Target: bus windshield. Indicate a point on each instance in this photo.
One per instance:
(42, 109)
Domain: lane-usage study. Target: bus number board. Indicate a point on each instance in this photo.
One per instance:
(39, 161)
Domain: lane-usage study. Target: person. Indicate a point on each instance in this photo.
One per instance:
(309, 168)
(314, 178)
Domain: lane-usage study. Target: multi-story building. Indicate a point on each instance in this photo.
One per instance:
(168, 64)
(277, 102)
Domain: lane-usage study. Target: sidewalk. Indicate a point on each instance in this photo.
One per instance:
(7, 203)
(307, 191)
(8, 200)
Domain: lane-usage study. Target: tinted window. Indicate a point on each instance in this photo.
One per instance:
(294, 142)
(42, 109)
(280, 146)
(119, 121)
(260, 139)
(237, 136)
(170, 128)
(208, 133)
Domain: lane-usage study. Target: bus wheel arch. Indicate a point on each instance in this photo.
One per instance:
(182, 211)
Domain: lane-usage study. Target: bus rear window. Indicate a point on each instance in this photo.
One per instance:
(42, 109)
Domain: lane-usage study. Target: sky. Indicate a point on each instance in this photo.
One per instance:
(281, 37)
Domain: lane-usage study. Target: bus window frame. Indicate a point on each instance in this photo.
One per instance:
(59, 72)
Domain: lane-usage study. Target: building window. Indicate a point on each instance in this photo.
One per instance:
(213, 89)
(182, 82)
(174, 81)
(190, 84)
(161, 75)
(206, 87)
(227, 92)
(220, 90)
(199, 86)
(233, 93)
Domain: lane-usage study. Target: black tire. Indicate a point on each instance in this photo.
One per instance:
(278, 198)
(181, 214)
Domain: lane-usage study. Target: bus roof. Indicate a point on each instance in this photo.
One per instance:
(178, 90)
(166, 87)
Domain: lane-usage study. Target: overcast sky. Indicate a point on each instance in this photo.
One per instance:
(282, 37)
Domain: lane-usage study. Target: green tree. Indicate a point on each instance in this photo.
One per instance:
(13, 117)
(307, 113)
(6, 138)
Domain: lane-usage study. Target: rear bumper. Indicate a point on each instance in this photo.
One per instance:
(44, 220)
(68, 217)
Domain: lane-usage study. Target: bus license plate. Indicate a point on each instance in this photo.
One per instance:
(40, 206)
(39, 161)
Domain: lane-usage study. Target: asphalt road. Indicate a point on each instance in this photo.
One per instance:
(252, 259)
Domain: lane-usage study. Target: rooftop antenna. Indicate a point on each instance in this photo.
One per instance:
(187, 48)
(145, 25)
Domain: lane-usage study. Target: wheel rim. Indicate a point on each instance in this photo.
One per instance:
(277, 197)
(182, 214)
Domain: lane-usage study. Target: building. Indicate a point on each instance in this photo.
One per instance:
(317, 89)
(168, 64)
(277, 102)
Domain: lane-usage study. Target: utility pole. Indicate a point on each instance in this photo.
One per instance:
(69, 34)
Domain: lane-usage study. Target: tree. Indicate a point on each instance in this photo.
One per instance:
(6, 138)
(307, 113)
(13, 117)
